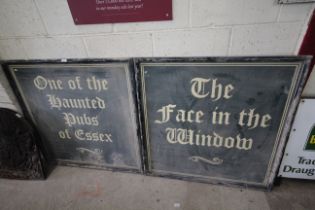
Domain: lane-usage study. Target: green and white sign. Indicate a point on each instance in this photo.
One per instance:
(299, 156)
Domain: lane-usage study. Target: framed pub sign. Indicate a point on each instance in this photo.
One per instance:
(85, 111)
(219, 120)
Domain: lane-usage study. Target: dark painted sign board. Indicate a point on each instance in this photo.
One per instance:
(115, 11)
(218, 120)
(85, 112)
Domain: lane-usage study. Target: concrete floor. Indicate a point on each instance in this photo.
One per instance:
(77, 188)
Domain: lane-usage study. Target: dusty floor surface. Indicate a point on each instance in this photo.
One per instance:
(77, 188)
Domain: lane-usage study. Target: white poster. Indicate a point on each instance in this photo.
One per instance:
(299, 156)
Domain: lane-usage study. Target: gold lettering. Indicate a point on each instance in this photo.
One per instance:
(242, 143)
(220, 117)
(198, 87)
(165, 110)
(253, 120)
(189, 137)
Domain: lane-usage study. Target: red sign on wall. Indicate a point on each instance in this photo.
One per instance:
(115, 11)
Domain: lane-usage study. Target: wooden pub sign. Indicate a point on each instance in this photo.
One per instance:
(218, 120)
(85, 112)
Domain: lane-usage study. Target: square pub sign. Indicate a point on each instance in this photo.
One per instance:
(85, 111)
(218, 120)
